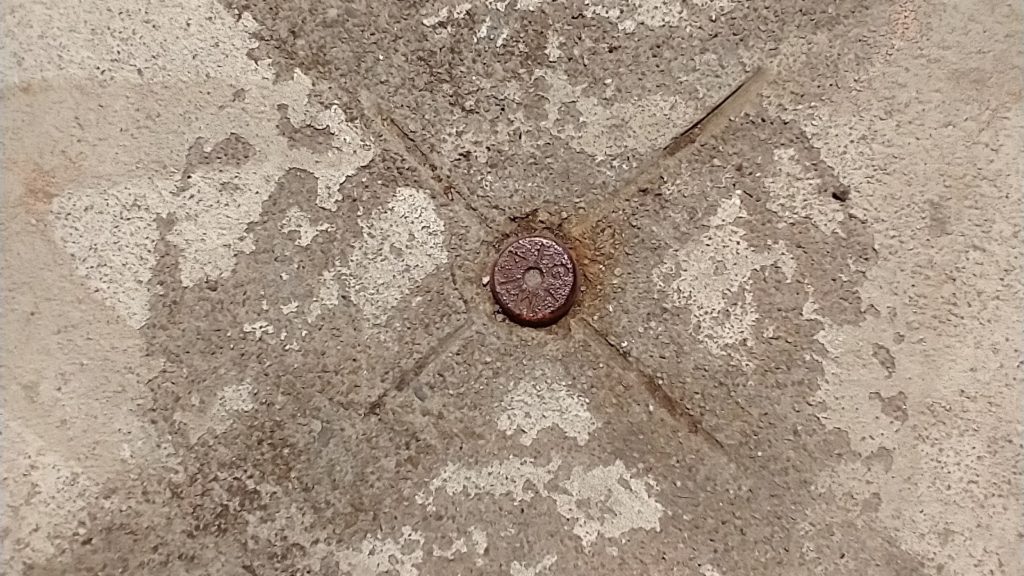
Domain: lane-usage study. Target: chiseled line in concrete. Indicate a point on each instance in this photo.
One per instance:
(440, 348)
(430, 168)
(661, 396)
(646, 175)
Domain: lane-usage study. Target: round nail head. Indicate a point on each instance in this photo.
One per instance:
(534, 281)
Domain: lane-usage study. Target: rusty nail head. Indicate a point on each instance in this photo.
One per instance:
(534, 281)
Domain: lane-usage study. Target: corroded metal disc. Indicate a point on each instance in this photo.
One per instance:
(534, 280)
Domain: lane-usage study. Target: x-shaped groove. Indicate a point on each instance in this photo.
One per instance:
(644, 177)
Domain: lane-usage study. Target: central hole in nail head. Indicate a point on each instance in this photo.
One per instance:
(533, 277)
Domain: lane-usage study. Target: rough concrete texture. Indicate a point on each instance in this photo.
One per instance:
(247, 331)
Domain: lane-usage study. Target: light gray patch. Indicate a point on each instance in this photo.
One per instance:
(608, 501)
(503, 478)
(401, 245)
(295, 220)
(542, 567)
(316, 139)
(794, 192)
(541, 402)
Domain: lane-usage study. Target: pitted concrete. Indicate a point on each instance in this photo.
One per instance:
(247, 328)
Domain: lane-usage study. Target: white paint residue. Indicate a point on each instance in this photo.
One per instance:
(601, 505)
(602, 130)
(795, 193)
(258, 328)
(609, 12)
(729, 210)
(295, 220)
(603, 501)
(237, 398)
(112, 237)
(541, 567)
(479, 543)
(446, 14)
(711, 277)
(384, 555)
(218, 416)
(112, 232)
(211, 218)
(441, 16)
(290, 307)
(650, 13)
(638, 125)
(709, 570)
(458, 546)
(497, 479)
(655, 14)
(552, 50)
(401, 245)
(327, 294)
(103, 92)
(532, 406)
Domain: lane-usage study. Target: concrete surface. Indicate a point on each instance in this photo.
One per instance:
(246, 328)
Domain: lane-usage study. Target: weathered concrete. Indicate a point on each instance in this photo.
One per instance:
(247, 328)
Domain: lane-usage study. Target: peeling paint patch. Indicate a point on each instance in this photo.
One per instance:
(479, 538)
(552, 50)
(230, 400)
(236, 398)
(636, 125)
(605, 501)
(458, 547)
(497, 479)
(650, 13)
(384, 555)
(131, 137)
(534, 405)
(112, 232)
(295, 220)
(729, 210)
(633, 126)
(258, 328)
(601, 506)
(402, 243)
(795, 193)
(709, 570)
(711, 277)
(541, 567)
(447, 14)
(112, 235)
(327, 294)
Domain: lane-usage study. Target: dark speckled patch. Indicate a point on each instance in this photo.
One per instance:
(294, 447)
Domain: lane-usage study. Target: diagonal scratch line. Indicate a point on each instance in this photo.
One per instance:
(407, 376)
(657, 392)
(646, 175)
(719, 114)
(429, 168)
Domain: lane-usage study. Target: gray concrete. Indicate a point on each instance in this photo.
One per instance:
(247, 329)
